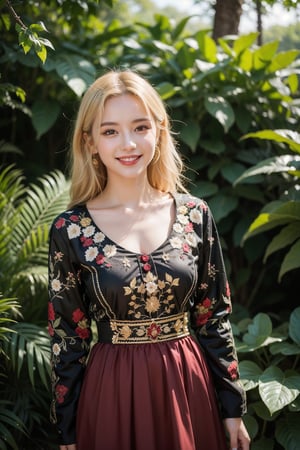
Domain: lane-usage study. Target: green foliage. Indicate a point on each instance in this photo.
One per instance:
(284, 211)
(26, 213)
(270, 378)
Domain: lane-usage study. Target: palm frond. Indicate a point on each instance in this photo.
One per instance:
(29, 347)
(9, 421)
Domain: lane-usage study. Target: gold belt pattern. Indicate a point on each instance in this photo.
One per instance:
(150, 330)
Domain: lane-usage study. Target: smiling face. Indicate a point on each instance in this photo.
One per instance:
(124, 136)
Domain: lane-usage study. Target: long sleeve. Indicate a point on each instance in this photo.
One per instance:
(69, 329)
(210, 319)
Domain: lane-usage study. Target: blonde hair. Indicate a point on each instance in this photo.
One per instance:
(166, 168)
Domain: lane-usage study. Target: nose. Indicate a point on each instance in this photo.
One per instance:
(129, 143)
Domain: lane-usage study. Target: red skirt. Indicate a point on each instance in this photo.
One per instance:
(149, 397)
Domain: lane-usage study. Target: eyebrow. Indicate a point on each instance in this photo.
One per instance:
(142, 119)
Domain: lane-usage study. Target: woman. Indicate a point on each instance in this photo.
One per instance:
(140, 257)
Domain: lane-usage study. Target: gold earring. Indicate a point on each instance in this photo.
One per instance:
(95, 161)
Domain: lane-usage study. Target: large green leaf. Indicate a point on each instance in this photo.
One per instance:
(294, 325)
(259, 332)
(277, 390)
(283, 214)
(222, 205)
(289, 137)
(77, 72)
(190, 134)
(291, 260)
(221, 110)
(288, 431)
(283, 60)
(44, 114)
(243, 42)
(284, 238)
(276, 164)
(250, 373)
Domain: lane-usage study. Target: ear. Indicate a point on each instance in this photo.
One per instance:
(88, 140)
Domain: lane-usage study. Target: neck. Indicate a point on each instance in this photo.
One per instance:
(132, 194)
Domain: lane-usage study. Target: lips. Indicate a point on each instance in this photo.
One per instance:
(128, 160)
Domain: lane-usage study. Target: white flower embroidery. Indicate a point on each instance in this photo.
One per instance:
(126, 262)
(182, 219)
(176, 242)
(99, 237)
(110, 251)
(56, 285)
(56, 349)
(91, 253)
(191, 240)
(73, 231)
(166, 257)
(177, 228)
(151, 287)
(182, 209)
(89, 231)
(195, 216)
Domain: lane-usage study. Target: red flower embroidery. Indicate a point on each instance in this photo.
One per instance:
(203, 312)
(51, 312)
(145, 258)
(153, 331)
(147, 267)
(60, 223)
(100, 259)
(191, 204)
(86, 242)
(50, 330)
(74, 218)
(206, 303)
(227, 289)
(233, 370)
(77, 315)
(189, 227)
(60, 391)
(84, 333)
(185, 247)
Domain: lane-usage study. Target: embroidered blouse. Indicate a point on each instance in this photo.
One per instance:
(138, 298)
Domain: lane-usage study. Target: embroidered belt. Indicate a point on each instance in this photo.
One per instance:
(144, 331)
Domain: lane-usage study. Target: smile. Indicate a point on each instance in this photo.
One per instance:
(129, 159)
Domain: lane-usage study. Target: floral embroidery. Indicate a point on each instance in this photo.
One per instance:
(188, 215)
(204, 311)
(82, 329)
(60, 392)
(152, 295)
(233, 370)
(152, 330)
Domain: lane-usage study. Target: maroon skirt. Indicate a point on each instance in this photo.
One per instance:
(149, 397)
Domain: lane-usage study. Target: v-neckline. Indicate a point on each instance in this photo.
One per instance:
(124, 249)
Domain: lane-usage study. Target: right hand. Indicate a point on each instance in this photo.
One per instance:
(67, 447)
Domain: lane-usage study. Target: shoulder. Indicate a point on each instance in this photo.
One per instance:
(191, 201)
(69, 217)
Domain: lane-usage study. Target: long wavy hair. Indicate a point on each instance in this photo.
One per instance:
(165, 171)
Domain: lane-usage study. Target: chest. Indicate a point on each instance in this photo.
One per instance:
(141, 231)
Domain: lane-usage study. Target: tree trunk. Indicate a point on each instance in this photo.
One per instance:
(227, 17)
(259, 22)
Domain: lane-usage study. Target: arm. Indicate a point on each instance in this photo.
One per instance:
(209, 319)
(69, 329)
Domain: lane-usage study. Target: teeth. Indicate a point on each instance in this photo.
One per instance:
(129, 158)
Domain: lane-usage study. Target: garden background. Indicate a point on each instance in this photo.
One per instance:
(234, 101)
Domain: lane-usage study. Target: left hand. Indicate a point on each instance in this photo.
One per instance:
(238, 435)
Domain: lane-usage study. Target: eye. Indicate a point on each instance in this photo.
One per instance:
(109, 132)
(142, 128)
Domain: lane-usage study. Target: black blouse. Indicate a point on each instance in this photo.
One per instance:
(93, 278)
